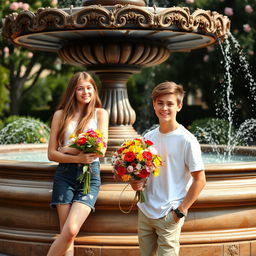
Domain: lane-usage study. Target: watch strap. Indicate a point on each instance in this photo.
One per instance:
(178, 213)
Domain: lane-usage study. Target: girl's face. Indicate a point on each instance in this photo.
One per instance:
(84, 92)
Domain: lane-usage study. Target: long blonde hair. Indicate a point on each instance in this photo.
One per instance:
(69, 105)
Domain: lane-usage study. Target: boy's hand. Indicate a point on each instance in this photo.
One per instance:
(138, 184)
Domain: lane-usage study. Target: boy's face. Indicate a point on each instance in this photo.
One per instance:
(166, 107)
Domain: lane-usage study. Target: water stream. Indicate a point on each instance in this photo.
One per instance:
(245, 133)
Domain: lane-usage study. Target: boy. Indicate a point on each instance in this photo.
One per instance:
(169, 196)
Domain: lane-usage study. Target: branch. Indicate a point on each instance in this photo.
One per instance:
(29, 68)
(26, 91)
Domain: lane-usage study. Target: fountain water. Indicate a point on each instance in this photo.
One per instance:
(237, 134)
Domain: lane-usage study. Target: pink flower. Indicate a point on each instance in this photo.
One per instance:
(30, 55)
(6, 49)
(54, 2)
(228, 11)
(247, 28)
(130, 168)
(14, 6)
(248, 9)
(210, 48)
(206, 58)
(251, 52)
(25, 6)
(20, 5)
(189, 1)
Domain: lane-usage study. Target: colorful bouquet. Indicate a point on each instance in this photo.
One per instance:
(135, 160)
(91, 141)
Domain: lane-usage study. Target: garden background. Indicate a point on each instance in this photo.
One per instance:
(31, 83)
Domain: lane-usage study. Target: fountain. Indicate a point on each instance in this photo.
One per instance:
(115, 39)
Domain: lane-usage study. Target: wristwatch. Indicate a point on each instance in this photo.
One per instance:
(178, 213)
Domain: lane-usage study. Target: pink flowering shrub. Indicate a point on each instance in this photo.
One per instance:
(228, 11)
(248, 9)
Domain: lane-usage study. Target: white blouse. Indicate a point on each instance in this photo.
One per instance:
(92, 124)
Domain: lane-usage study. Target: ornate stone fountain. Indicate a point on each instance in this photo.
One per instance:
(115, 39)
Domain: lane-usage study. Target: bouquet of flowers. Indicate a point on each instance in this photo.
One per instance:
(91, 141)
(135, 160)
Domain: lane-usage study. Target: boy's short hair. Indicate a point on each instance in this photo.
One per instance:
(168, 88)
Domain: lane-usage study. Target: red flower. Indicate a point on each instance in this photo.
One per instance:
(147, 155)
(143, 174)
(149, 142)
(121, 170)
(81, 141)
(119, 151)
(133, 165)
(129, 156)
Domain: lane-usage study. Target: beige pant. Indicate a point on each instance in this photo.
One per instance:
(159, 236)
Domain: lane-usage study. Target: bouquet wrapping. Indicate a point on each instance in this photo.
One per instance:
(136, 159)
(91, 141)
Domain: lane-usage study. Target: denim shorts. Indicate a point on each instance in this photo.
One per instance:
(68, 189)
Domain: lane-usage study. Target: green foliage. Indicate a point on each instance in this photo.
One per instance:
(68, 3)
(44, 98)
(211, 130)
(11, 119)
(24, 130)
(3, 91)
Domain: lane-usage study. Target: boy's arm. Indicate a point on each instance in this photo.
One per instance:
(198, 184)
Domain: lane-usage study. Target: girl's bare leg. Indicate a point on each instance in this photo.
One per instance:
(75, 217)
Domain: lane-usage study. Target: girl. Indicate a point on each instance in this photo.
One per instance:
(79, 110)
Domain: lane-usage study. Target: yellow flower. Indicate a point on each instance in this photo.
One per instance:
(138, 149)
(140, 156)
(42, 140)
(137, 142)
(157, 161)
(126, 177)
(156, 172)
(100, 145)
(73, 135)
(127, 143)
(131, 148)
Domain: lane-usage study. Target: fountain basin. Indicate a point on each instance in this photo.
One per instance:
(222, 219)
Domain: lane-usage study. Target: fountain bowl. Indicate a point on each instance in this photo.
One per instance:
(221, 220)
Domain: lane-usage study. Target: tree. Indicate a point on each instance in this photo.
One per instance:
(23, 67)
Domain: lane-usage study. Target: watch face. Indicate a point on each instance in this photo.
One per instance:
(178, 213)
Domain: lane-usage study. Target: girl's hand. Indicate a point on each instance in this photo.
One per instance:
(86, 158)
(138, 184)
(69, 150)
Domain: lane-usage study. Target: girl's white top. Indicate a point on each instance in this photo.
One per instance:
(92, 124)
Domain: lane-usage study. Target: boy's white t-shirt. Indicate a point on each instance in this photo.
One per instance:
(181, 154)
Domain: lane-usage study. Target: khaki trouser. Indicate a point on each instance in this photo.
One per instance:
(159, 236)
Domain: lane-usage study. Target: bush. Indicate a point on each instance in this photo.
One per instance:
(24, 130)
(211, 131)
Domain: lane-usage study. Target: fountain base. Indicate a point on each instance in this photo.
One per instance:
(222, 221)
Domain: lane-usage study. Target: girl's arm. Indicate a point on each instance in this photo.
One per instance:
(103, 120)
(58, 156)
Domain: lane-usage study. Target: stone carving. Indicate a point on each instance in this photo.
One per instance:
(233, 250)
(120, 16)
